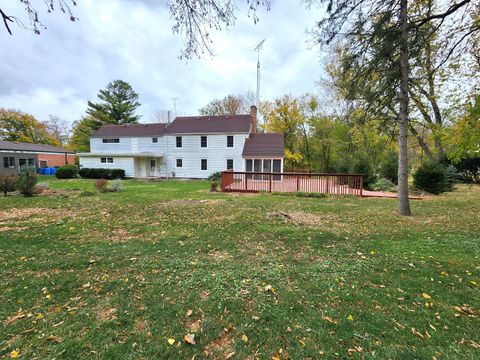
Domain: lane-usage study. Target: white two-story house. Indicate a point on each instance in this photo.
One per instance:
(188, 147)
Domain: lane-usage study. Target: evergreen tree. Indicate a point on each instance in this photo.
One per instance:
(118, 106)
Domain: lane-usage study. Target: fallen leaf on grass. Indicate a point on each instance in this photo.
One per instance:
(245, 338)
(330, 320)
(171, 341)
(350, 317)
(55, 339)
(426, 296)
(14, 354)
(189, 312)
(190, 339)
(20, 314)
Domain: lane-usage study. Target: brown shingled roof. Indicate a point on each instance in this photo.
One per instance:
(22, 146)
(131, 130)
(210, 124)
(264, 144)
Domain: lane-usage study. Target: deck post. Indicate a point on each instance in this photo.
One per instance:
(246, 178)
(328, 184)
(361, 185)
(298, 182)
(270, 183)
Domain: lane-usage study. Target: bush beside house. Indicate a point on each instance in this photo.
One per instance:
(110, 174)
(66, 172)
(8, 183)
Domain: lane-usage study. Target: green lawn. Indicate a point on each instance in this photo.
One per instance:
(115, 276)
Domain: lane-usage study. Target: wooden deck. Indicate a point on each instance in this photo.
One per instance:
(337, 184)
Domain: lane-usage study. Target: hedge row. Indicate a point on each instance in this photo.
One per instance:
(109, 174)
(66, 172)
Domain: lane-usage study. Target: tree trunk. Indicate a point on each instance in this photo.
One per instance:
(403, 201)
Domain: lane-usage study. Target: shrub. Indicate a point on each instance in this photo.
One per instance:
(216, 176)
(102, 185)
(469, 170)
(362, 166)
(110, 174)
(382, 184)
(8, 183)
(116, 185)
(389, 168)
(434, 178)
(27, 182)
(213, 186)
(66, 172)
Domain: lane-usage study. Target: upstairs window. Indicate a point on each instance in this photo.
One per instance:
(106, 160)
(229, 164)
(203, 164)
(230, 141)
(9, 162)
(179, 141)
(203, 141)
(154, 140)
(110, 141)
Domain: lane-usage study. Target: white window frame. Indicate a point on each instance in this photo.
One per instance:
(206, 141)
(233, 164)
(155, 140)
(176, 142)
(11, 164)
(181, 163)
(233, 141)
(206, 165)
(111, 141)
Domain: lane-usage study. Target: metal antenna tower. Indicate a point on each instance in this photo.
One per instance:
(257, 49)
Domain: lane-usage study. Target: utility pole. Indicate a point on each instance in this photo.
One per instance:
(257, 49)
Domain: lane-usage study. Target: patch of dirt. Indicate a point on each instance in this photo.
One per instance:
(27, 213)
(140, 325)
(220, 348)
(12, 228)
(50, 192)
(107, 314)
(302, 218)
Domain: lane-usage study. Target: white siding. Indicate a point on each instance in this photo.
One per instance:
(125, 163)
(191, 154)
(97, 146)
(216, 154)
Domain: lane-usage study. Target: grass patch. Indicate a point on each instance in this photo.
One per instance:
(118, 275)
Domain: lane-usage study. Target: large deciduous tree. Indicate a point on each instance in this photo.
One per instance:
(229, 105)
(381, 39)
(18, 126)
(34, 14)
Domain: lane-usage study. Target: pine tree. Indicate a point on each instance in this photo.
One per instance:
(118, 106)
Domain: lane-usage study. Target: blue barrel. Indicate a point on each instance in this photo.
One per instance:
(42, 171)
(54, 170)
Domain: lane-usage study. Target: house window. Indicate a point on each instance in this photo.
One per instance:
(249, 164)
(203, 164)
(179, 163)
(110, 141)
(179, 141)
(106, 160)
(9, 162)
(109, 160)
(154, 140)
(229, 164)
(230, 141)
(203, 141)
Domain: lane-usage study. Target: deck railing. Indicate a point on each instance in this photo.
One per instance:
(246, 181)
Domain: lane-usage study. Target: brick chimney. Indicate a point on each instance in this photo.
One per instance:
(253, 119)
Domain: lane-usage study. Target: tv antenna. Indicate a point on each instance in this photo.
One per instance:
(257, 49)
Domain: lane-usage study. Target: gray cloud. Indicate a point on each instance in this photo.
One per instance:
(58, 71)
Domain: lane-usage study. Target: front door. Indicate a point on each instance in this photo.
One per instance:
(153, 167)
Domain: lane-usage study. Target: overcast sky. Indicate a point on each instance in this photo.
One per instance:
(60, 70)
